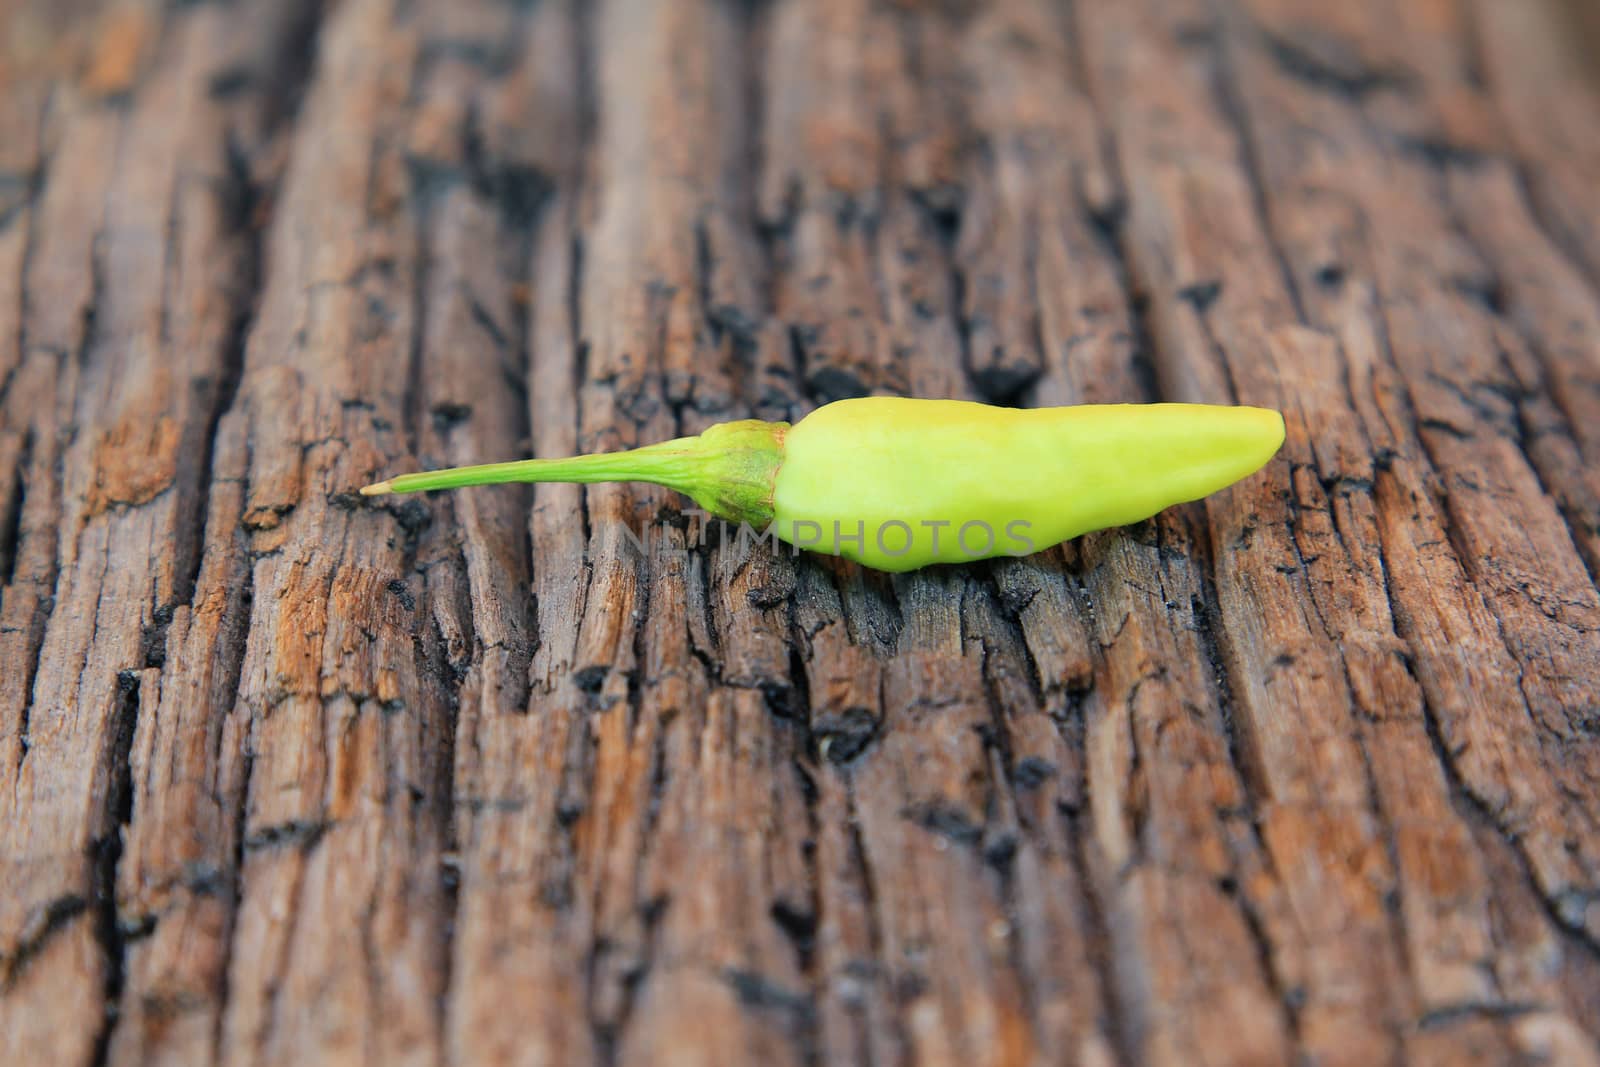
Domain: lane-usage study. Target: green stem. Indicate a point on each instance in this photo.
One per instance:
(730, 470)
(667, 463)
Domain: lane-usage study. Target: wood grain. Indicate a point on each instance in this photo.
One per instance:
(1305, 773)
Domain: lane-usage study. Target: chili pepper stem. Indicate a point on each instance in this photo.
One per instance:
(729, 470)
(661, 464)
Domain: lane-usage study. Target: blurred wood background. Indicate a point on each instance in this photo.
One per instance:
(1306, 774)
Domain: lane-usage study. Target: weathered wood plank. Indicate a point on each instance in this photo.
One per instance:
(567, 775)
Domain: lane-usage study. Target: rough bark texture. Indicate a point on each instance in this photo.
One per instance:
(1307, 773)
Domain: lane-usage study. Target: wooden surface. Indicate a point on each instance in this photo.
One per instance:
(1308, 773)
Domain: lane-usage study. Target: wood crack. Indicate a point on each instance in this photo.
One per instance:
(110, 928)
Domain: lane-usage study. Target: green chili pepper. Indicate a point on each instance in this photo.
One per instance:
(898, 484)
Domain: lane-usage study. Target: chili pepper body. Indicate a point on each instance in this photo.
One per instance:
(946, 481)
(899, 484)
